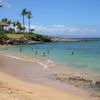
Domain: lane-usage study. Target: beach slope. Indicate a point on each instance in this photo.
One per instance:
(14, 89)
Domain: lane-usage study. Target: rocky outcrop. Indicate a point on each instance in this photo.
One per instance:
(92, 86)
(3, 41)
(64, 40)
(19, 41)
(97, 84)
(59, 39)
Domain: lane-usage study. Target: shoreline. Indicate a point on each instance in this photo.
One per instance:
(49, 64)
(44, 78)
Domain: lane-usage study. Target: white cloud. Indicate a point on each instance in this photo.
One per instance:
(1, 1)
(63, 29)
(5, 3)
(8, 5)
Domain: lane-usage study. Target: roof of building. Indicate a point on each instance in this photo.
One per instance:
(3, 24)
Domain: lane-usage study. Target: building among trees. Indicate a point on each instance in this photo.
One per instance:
(2, 25)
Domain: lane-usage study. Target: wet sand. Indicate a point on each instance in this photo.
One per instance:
(30, 74)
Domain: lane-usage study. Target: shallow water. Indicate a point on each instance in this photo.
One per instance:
(80, 56)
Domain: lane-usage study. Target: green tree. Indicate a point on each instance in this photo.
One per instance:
(29, 16)
(1, 5)
(9, 22)
(5, 20)
(18, 24)
(11, 30)
(24, 13)
(14, 25)
(32, 30)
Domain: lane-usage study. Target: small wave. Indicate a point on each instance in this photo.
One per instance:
(44, 65)
(23, 59)
(50, 61)
(18, 58)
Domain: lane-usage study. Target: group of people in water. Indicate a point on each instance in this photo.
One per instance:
(44, 53)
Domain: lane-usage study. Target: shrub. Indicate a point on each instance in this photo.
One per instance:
(3, 36)
(38, 37)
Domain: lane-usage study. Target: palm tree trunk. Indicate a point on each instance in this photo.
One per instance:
(23, 21)
(29, 26)
(23, 26)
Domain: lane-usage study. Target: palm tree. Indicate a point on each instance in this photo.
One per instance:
(1, 4)
(29, 16)
(14, 25)
(9, 22)
(11, 30)
(24, 13)
(18, 24)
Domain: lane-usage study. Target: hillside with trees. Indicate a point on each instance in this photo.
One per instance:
(15, 32)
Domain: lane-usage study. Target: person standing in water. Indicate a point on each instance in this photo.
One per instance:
(44, 54)
(48, 51)
(20, 49)
(36, 52)
(72, 53)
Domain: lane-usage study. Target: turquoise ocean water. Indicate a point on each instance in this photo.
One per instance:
(84, 56)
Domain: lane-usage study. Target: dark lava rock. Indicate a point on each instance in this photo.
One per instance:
(97, 84)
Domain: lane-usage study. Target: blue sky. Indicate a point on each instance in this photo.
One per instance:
(71, 18)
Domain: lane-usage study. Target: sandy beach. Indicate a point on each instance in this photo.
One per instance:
(14, 89)
(22, 79)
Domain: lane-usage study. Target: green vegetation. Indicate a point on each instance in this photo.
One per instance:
(15, 31)
(30, 36)
(3, 36)
(24, 13)
(38, 37)
(28, 14)
(14, 35)
(17, 26)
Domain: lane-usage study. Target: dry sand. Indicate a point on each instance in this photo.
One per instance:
(14, 89)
